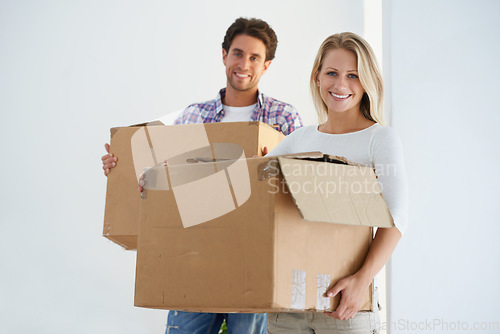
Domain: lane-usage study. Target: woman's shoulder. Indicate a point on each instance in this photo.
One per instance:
(306, 128)
(385, 138)
(382, 132)
(303, 130)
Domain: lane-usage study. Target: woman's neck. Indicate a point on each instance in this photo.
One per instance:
(338, 123)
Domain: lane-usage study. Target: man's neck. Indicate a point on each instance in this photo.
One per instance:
(234, 98)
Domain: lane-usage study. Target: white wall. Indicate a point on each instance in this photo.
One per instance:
(69, 71)
(444, 74)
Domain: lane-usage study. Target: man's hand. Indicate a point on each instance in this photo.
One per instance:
(352, 289)
(108, 160)
(265, 151)
(141, 183)
(142, 178)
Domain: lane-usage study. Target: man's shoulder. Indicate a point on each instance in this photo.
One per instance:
(273, 102)
(210, 104)
(277, 108)
(197, 112)
(281, 113)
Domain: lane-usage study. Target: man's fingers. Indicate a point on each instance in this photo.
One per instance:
(109, 160)
(108, 165)
(265, 150)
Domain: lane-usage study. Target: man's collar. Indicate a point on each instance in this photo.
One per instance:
(222, 94)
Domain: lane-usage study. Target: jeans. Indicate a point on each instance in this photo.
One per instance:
(209, 323)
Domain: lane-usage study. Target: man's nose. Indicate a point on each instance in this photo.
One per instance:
(244, 63)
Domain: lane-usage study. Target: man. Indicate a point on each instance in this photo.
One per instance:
(247, 51)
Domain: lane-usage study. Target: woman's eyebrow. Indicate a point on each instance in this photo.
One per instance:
(333, 68)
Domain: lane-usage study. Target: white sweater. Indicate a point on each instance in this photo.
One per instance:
(376, 146)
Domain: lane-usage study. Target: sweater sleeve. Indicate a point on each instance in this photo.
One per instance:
(388, 160)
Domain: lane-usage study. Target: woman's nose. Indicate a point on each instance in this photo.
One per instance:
(341, 82)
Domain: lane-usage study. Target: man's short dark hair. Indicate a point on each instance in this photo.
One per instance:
(252, 27)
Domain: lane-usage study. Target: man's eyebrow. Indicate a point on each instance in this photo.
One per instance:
(237, 50)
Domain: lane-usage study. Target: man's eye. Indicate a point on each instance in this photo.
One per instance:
(254, 59)
(238, 54)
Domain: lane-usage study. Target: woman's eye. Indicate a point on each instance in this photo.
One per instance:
(353, 76)
(333, 74)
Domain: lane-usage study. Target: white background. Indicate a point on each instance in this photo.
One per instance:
(444, 79)
(70, 70)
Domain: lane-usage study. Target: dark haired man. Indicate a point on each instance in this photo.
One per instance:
(247, 51)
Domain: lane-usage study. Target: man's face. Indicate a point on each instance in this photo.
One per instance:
(245, 62)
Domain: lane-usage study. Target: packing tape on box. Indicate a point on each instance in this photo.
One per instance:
(322, 285)
(298, 290)
(208, 180)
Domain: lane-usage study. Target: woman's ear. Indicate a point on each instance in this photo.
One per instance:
(316, 78)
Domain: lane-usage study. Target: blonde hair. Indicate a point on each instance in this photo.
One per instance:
(369, 75)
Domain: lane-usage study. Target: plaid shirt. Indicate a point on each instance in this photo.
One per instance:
(267, 110)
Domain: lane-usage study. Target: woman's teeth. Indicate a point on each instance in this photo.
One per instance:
(340, 96)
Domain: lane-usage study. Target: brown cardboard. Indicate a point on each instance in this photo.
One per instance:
(142, 146)
(336, 193)
(261, 256)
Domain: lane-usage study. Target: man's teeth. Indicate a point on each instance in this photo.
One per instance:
(241, 75)
(340, 96)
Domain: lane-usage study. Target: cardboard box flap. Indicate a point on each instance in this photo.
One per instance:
(152, 123)
(205, 189)
(336, 191)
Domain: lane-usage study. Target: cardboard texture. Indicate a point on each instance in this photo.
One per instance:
(142, 146)
(336, 193)
(257, 253)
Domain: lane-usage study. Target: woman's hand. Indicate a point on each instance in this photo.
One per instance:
(353, 292)
(353, 287)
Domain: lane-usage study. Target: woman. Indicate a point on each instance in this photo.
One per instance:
(347, 90)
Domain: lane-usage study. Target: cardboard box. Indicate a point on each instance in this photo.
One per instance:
(262, 255)
(148, 145)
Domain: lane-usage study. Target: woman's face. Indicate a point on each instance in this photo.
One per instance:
(339, 83)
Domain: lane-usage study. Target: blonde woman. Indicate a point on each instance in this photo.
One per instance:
(347, 90)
